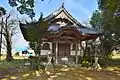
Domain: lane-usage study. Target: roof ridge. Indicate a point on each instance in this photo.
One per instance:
(60, 9)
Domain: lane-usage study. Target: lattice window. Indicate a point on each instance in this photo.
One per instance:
(46, 46)
(74, 47)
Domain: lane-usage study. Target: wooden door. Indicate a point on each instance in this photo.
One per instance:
(63, 49)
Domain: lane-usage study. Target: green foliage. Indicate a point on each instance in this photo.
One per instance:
(14, 63)
(85, 64)
(103, 62)
(2, 11)
(34, 32)
(32, 45)
(34, 64)
(97, 20)
(24, 6)
(17, 54)
(42, 66)
(111, 21)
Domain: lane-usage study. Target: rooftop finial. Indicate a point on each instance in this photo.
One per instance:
(63, 4)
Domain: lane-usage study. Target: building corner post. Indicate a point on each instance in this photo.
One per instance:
(76, 52)
(56, 55)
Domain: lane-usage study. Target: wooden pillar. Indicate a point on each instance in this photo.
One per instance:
(76, 52)
(81, 48)
(56, 52)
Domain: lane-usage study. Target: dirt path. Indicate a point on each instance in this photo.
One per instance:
(81, 74)
(61, 74)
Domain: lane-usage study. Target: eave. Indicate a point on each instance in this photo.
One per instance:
(60, 10)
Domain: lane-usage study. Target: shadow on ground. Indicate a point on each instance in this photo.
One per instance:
(60, 74)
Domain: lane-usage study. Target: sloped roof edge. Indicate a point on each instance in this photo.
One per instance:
(62, 9)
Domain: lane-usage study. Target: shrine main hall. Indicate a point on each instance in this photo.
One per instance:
(67, 37)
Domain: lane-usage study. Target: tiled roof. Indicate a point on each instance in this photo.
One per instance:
(56, 28)
(62, 9)
(88, 31)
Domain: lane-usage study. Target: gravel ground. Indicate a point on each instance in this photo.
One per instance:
(61, 74)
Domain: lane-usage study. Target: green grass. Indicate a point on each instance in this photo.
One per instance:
(15, 57)
(13, 63)
(17, 70)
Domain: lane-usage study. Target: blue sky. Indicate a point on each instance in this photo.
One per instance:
(80, 9)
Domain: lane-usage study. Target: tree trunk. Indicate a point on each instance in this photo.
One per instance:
(38, 49)
(9, 56)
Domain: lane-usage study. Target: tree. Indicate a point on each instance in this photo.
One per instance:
(24, 6)
(111, 18)
(2, 13)
(97, 20)
(9, 26)
(111, 22)
(32, 33)
(110, 38)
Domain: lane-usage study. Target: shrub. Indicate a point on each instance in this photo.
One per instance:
(34, 63)
(17, 54)
(85, 64)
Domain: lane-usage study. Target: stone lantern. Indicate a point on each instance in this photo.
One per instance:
(96, 56)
